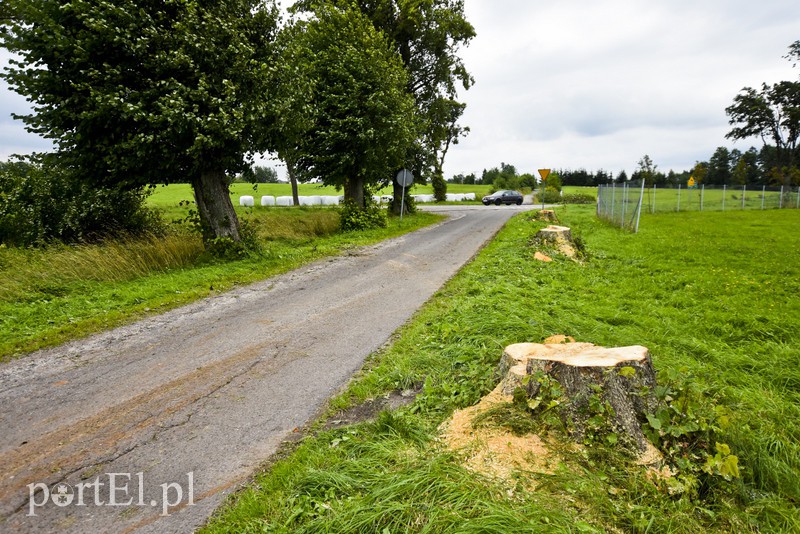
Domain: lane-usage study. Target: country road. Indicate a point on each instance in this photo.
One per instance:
(148, 427)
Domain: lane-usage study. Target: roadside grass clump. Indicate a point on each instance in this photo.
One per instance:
(58, 293)
(714, 298)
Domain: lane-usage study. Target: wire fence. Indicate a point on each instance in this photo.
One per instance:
(621, 204)
(720, 198)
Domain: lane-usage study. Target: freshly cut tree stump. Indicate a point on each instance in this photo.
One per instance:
(558, 237)
(622, 378)
(554, 235)
(547, 215)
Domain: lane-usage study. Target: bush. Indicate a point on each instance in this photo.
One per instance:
(578, 198)
(551, 196)
(355, 217)
(42, 202)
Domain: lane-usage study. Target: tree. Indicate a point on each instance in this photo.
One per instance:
(773, 114)
(719, 167)
(646, 171)
(353, 119)
(138, 93)
(427, 34)
(260, 175)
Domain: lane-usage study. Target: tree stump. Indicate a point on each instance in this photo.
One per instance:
(558, 237)
(621, 378)
(547, 215)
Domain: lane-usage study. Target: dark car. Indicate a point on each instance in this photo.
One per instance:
(503, 197)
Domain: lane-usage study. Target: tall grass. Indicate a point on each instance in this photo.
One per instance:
(713, 295)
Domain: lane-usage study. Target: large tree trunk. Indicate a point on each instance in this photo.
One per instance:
(397, 195)
(354, 190)
(214, 205)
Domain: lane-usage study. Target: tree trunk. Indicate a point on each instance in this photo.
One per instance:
(397, 195)
(293, 181)
(214, 206)
(354, 190)
(621, 378)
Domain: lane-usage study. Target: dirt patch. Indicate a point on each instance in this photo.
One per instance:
(369, 409)
(495, 451)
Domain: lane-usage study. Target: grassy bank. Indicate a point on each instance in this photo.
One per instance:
(52, 295)
(713, 296)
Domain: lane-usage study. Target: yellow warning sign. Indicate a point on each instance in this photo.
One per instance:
(544, 173)
(691, 182)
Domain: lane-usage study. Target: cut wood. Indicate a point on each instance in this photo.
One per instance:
(620, 378)
(547, 215)
(558, 237)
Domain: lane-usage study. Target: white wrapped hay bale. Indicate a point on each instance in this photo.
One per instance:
(330, 201)
(315, 200)
(469, 196)
(451, 197)
(268, 200)
(428, 198)
(387, 199)
(246, 200)
(284, 201)
(376, 199)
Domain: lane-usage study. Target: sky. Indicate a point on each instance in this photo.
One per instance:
(592, 84)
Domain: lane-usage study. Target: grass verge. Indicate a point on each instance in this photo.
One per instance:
(52, 295)
(713, 295)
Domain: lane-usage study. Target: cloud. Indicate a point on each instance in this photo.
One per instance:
(599, 84)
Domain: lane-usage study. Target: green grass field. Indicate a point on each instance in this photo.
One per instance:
(714, 296)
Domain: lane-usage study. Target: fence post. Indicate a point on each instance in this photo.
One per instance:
(763, 195)
(679, 198)
(624, 200)
(780, 201)
(797, 206)
(702, 196)
(653, 209)
(744, 192)
(613, 199)
(639, 211)
(724, 188)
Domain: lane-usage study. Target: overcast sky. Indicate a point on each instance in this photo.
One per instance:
(592, 83)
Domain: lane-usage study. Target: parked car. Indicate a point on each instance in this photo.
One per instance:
(503, 197)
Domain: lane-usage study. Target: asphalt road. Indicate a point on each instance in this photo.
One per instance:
(148, 427)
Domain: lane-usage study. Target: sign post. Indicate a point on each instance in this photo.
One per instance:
(544, 173)
(404, 178)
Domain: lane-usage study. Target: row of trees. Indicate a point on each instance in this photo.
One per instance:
(142, 93)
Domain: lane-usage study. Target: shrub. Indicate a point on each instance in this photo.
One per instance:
(355, 217)
(551, 196)
(578, 198)
(42, 202)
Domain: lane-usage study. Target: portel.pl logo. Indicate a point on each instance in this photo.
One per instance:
(121, 489)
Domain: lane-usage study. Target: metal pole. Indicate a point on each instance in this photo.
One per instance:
(679, 197)
(744, 192)
(613, 199)
(763, 194)
(724, 188)
(624, 198)
(639, 211)
(780, 200)
(702, 196)
(403, 202)
(653, 210)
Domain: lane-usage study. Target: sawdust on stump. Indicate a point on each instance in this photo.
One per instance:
(495, 451)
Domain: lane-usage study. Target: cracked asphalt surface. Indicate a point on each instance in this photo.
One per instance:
(179, 409)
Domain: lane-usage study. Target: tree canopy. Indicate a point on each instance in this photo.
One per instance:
(349, 117)
(773, 114)
(136, 93)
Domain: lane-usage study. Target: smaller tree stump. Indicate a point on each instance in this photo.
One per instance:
(621, 378)
(558, 237)
(547, 215)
